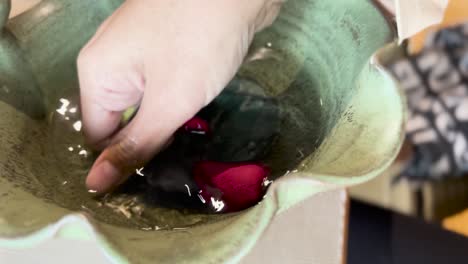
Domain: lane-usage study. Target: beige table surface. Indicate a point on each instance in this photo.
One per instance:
(312, 232)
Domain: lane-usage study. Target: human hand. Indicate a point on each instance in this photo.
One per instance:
(169, 57)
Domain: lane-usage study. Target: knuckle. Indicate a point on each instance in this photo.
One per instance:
(125, 153)
(88, 59)
(84, 59)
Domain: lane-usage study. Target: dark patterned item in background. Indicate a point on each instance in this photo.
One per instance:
(436, 84)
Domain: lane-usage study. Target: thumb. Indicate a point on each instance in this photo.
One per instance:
(161, 113)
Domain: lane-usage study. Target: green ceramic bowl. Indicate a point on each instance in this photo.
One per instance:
(343, 125)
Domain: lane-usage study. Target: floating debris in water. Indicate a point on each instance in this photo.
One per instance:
(125, 205)
(179, 228)
(137, 210)
(188, 189)
(140, 171)
(267, 182)
(217, 204)
(63, 108)
(300, 153)
(77, 126)
(201, 198)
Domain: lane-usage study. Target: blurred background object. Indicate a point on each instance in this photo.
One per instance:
(379, 236)
(456, 13)
(430, 177)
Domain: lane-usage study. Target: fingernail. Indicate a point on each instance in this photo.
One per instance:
(103, 177)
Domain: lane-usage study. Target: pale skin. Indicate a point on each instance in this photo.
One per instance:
(169, 57)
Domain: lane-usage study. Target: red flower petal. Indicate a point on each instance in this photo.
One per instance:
(239, 185)
(196, 125)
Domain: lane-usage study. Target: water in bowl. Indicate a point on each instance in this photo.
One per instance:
(59, 160)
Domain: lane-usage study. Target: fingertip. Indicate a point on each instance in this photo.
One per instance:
(103, 177)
